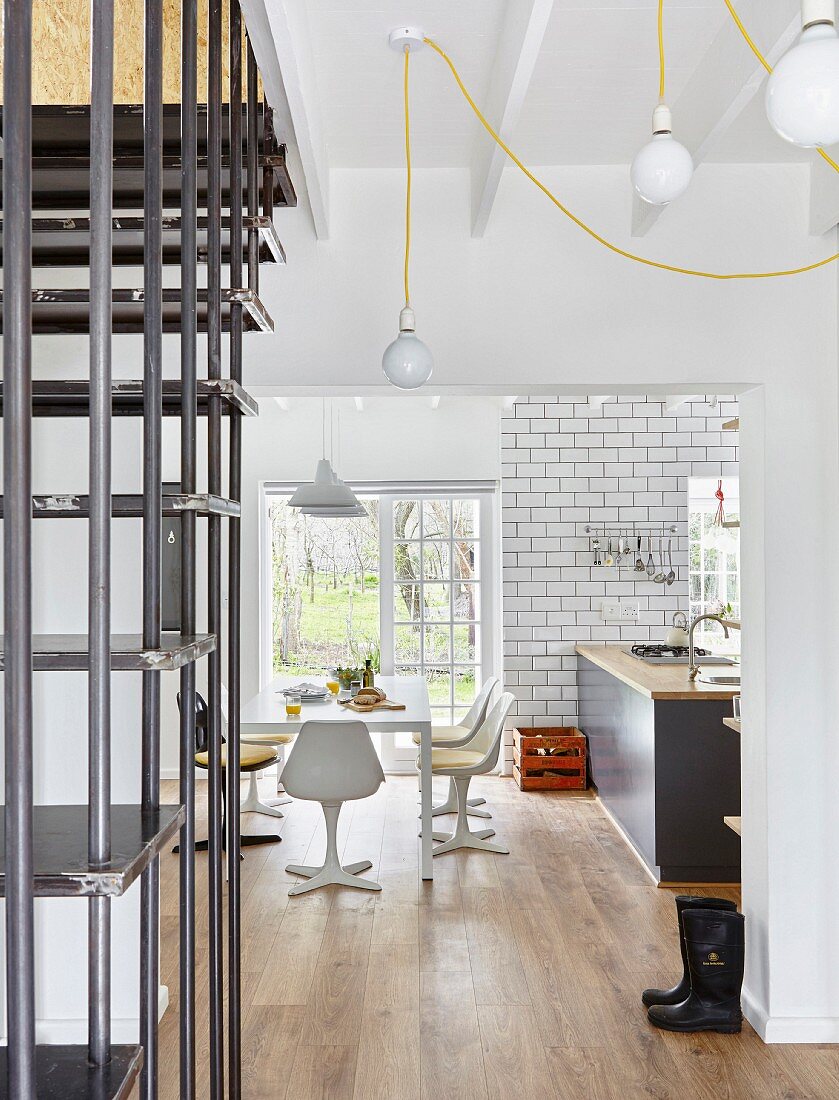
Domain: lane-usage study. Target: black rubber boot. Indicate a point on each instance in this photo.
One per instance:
(680, 991)
(715, 944)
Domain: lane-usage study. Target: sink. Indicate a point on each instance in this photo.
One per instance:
(718, 680)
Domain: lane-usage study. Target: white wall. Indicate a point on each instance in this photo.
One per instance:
(535, 306)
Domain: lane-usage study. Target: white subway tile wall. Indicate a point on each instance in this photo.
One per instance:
(566, 464)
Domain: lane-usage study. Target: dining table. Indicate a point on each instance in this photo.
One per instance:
(265, 713)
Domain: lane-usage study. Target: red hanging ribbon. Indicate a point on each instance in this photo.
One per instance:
(719, 518)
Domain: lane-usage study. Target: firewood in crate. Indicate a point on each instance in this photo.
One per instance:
(534, 747)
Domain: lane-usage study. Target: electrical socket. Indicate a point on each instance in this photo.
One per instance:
(610, 611)
(630, 611)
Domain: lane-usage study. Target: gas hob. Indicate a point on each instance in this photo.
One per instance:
(674, 655)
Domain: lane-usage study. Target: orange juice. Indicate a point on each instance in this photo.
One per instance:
(293, 708)
(333, 686)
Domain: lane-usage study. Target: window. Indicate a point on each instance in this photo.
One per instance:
(437, 599)
(324, 589)
(714, 571)
(410, 585)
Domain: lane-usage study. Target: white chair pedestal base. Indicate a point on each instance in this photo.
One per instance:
(254, 805)
(481, 834)
(331, 873)
(450, 804)
(462, 837)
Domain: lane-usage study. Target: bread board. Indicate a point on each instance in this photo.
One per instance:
(360, 708)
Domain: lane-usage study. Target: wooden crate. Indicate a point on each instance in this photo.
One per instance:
(565, 752)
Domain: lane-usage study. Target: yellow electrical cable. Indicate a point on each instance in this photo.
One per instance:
(661, 50)
(750, 43)
(408, 178)
(592, 232)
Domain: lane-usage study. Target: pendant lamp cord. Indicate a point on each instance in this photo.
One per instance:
(407, 177)
(696, 273)
(661, 51)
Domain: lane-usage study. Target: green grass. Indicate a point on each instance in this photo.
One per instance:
(326, 639)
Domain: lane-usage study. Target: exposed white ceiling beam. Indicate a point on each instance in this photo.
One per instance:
(824, 197)
(672, 402)
(519, 43)
(279, 33)
(723, 84)
(435, 401)
(359, 404)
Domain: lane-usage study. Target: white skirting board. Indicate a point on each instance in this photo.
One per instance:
(788, 1029)
(74, 1032)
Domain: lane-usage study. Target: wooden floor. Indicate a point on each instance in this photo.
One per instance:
(509, 976)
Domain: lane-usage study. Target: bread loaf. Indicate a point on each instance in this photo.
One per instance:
(370, 695)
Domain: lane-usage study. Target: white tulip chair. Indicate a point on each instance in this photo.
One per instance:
(332, 763)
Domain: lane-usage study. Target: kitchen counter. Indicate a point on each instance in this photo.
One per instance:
(666, 769)
(654, 681)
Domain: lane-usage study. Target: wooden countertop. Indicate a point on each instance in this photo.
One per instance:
(654, 681)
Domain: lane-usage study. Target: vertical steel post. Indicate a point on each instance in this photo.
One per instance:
(234, 568)
(99, 531)
(17, 561)
(253, 168)
(152, 511)
(267, 171)
(189, 329)
(214, 199)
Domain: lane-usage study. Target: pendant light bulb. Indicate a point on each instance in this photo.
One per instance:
(802, 94)
(407, 362)
(663, 168)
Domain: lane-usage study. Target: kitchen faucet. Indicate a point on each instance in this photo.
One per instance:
(724, 623)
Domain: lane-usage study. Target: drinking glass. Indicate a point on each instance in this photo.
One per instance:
(293, 704)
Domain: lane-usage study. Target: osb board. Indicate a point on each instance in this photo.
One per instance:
(61, 52)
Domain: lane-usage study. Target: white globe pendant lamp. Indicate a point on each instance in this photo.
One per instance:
(663, 168)
(802, 93)
(407, 362)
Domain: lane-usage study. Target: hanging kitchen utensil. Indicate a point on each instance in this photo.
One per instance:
(595, 542)
(610, 561)
(650, 562)
(619, 554)
(671, 576)
(639, 561)
(661, 574)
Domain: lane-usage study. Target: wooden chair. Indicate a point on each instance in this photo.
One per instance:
(251, 759)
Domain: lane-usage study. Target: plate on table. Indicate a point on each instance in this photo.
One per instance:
(309, 693)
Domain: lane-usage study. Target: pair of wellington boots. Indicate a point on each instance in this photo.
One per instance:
(711, 935)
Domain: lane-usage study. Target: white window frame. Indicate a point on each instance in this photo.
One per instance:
(486, 492)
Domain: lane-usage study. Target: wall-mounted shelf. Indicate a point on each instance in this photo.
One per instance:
(64, 1073)
(60, 854)
(733, 724)
(734, 824)
(732, 425)
(731, 523)
(69, 652)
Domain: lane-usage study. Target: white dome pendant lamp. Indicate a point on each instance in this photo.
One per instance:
(663, 168)
(407, 362)
(327, 495)
(802, 93)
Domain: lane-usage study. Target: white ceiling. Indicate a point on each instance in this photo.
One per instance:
(589, 101)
